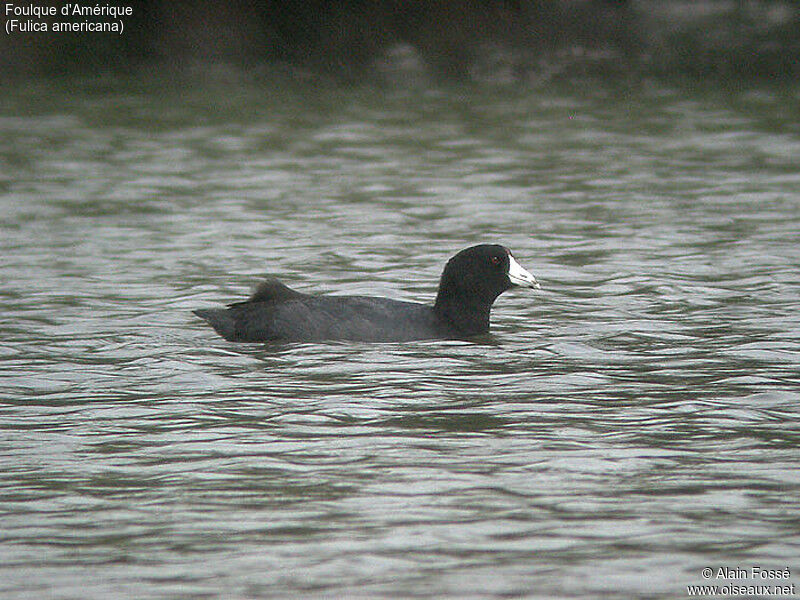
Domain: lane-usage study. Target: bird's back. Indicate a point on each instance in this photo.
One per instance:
(275, 312)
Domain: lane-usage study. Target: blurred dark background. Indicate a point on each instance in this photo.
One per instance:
(520, 38)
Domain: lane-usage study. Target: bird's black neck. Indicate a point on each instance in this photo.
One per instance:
(469, 316)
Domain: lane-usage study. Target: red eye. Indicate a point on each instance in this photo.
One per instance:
(495, 260)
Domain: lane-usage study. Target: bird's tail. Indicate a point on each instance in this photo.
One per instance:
(220, 319)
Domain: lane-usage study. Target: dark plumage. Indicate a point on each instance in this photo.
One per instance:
(471, 281)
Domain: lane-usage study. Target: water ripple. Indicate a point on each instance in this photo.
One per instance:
(631, 423)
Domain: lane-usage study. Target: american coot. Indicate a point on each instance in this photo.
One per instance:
(471, 281)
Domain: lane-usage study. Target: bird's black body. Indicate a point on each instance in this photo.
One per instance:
(303, 317)
(469, 285)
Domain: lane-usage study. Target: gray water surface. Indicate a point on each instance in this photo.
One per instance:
(627, 426)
